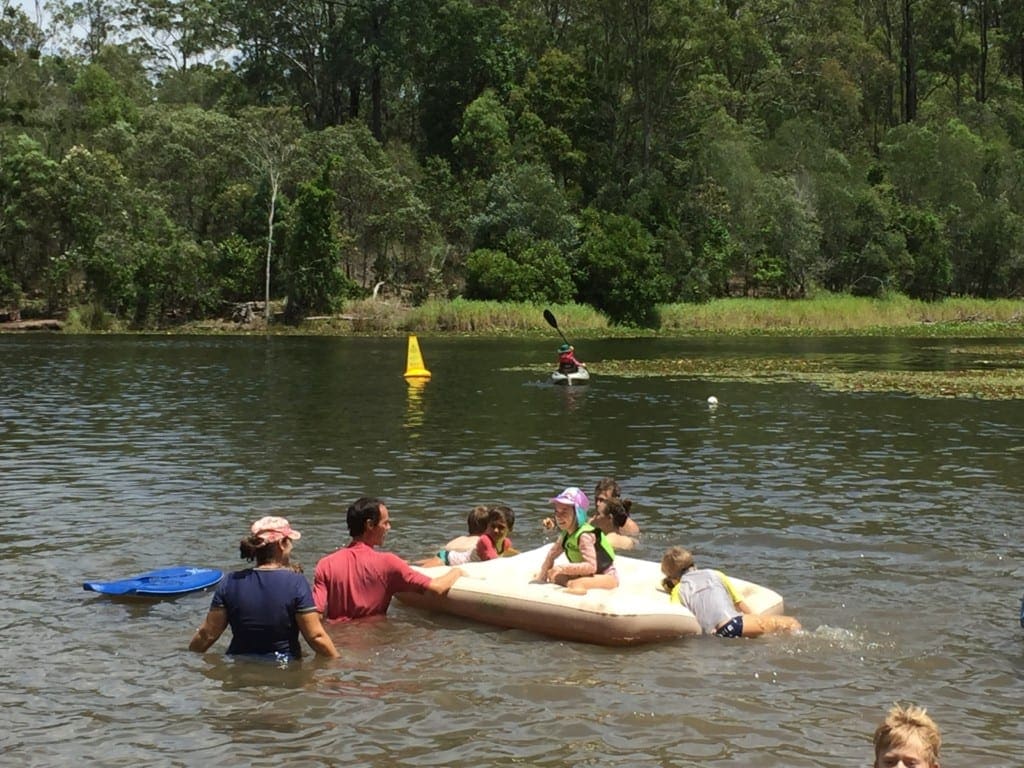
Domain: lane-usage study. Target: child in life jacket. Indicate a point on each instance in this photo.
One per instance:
(567, 362)
(493, 542)
(591, 557)
(714, 601)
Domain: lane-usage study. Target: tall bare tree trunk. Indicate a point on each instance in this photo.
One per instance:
(909, 64)
(982, 90)
(275, 183)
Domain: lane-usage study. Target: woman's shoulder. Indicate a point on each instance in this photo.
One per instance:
(621, 541)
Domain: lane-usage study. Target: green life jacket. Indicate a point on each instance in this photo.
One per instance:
(605, 551)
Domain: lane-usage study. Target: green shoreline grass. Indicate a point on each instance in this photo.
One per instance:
(823, 315)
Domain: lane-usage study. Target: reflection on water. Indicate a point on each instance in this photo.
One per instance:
(236, 673)
(889, 524)
(414, 405)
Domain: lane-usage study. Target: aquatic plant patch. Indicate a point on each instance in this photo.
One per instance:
(987, 373)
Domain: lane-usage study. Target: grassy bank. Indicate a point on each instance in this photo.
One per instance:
(826, 314)
(839, 314)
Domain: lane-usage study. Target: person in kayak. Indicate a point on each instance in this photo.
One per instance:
(714, 601)
(567, 362)
(266, 606)
(591, 557)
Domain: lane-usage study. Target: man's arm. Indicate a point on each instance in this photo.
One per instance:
(441, 584)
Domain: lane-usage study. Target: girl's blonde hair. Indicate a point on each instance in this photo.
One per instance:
(676, 561)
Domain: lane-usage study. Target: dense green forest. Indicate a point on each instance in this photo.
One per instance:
(162, 160)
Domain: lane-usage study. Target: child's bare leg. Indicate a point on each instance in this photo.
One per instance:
(756, 625)
(579, 586)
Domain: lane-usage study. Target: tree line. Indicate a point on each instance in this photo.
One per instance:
(161, 160)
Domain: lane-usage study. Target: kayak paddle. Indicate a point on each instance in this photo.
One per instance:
(554, 324)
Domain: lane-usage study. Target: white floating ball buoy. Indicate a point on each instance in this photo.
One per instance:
(712, 400)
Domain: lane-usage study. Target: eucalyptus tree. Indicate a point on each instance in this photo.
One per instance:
(523, 204)
(95, 199)
(929, 275)
(189, 158)
(958, 175)
(273, 136)
(1011, 40)
(313, 280)
(20, 43)
(385, 224)
(483, 145)
(27, 214)
(175, 35)
(553, 116)
(644, 56)
(461, 50)
(285, 53)
(618, 270)
(330, 57)
(86, 27)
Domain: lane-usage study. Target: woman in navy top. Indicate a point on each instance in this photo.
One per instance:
(268, 605)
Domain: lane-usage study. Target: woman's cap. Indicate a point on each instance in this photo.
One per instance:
(572, 495)
(271, 529)
(564, 348)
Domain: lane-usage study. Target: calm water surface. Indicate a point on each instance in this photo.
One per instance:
(890, 524)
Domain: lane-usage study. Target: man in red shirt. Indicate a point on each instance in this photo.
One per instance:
(357, 580)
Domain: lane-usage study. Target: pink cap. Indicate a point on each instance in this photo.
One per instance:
(573, 496)
(272, 529)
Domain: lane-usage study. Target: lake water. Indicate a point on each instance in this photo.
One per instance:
(890, 524)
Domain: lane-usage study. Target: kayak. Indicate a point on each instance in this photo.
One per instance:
(502, 592)
(163, 582)
(580, 376)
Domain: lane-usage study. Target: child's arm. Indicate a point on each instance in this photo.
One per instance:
(734, 593)
(555, 551)
(485, 549)
(446, 557)
(589, 552)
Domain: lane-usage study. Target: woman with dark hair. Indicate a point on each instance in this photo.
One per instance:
(612, 515)
(608, 488)
(268, 605)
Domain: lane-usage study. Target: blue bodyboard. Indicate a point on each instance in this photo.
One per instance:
(165, 582)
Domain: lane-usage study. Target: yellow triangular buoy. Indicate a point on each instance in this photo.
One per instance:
(414, 368)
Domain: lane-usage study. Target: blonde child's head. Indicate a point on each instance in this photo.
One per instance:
(674, 563)
(907, 733)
